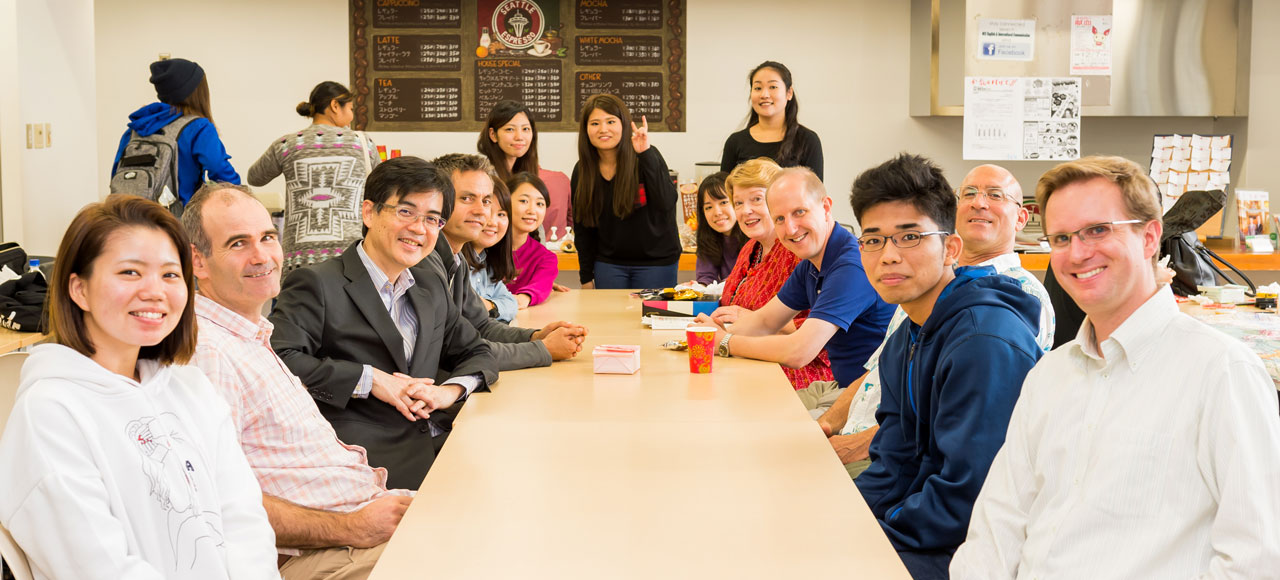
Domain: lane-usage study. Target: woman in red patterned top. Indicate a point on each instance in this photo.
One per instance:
(763, 264)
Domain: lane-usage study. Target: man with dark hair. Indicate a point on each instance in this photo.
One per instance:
(988, 217)
(473, 177)
(374, 324)
(950, 374)
(1148, 446)
(330, 510)
(845, 315)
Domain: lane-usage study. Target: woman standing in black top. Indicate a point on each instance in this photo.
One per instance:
(772, 129)
(624, 203)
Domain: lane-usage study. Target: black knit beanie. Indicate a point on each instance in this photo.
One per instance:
(175, 79)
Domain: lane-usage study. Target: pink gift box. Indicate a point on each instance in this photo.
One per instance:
(617, 359)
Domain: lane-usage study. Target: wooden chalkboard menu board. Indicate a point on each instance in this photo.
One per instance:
(441, 65)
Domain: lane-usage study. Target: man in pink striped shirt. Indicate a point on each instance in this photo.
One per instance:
(331, 511)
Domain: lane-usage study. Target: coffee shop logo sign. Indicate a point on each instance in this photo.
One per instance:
(518, 23)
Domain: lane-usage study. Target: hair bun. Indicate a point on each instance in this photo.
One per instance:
(305, 109)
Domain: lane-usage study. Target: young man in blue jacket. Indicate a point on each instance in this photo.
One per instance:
(950, 374)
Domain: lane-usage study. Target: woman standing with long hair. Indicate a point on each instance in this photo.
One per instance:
(120, 461)
(324, 167)
(510, 141)
(183, 91)
(624, 203)
(773, 128)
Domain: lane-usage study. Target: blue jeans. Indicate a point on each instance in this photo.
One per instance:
(613, 276)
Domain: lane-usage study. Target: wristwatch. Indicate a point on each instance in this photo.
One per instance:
(722, 349)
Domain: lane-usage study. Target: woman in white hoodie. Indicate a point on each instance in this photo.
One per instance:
(119, 461)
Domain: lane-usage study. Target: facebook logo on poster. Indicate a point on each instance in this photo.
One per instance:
(989, 48)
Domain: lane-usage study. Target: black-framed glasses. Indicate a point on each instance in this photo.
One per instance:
(969, 193)
(907, 239)
(1089, 235)
(407, 216)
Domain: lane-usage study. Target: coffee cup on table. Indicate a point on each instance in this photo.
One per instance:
(702, 347)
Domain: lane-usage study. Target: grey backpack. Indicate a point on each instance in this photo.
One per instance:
(150, 164)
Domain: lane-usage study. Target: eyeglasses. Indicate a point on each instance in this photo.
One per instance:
(907, 239)
(1089, 235)
(407, 216)
(994, 194)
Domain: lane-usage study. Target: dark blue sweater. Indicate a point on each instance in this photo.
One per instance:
(948, 389)
(199, 148)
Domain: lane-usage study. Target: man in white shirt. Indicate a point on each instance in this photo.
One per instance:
(1149, 446)
(989, 215)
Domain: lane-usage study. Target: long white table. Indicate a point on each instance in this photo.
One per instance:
(561, 473)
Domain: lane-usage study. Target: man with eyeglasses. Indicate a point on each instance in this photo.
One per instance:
(473, 181)
(845, 314)
(950, 374)
(1149, 446)
(989, 216)
(374, 336)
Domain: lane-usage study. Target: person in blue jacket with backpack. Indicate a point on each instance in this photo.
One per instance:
(952, 371)
(183, 91)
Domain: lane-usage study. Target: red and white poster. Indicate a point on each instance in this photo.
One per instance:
(1091, 45)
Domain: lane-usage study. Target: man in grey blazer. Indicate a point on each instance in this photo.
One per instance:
(375, 337)
(472, 177)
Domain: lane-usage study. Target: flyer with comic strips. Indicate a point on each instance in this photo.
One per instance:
(1021, 118)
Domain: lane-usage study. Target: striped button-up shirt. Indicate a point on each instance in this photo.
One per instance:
(291, 447)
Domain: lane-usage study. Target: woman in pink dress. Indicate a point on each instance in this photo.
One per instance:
(763, 264)
(536, 267)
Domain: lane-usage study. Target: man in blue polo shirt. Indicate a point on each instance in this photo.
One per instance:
(845, 314)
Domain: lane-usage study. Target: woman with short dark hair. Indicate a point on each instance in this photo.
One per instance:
(120, 461)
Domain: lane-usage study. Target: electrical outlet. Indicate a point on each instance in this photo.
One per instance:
(31, 138)
(48, 135)
(38, 134)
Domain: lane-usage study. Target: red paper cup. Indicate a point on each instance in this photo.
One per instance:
(395, 153)
(702, 348)
(382, 152)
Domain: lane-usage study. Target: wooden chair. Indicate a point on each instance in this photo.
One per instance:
(10, 366)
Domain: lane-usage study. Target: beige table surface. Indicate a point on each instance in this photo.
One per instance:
(560, 473)
(11, 340)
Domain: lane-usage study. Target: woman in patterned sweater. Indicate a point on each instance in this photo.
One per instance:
(324, 168)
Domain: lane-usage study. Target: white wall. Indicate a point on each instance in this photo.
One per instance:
(849, 58)
(12, 134)
(56, 80)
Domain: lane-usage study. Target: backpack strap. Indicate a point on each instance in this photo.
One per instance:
(177, 125)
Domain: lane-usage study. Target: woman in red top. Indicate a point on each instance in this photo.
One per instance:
(763, 264)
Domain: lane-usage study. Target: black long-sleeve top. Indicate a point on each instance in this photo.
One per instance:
(741, 146)
(647, 237)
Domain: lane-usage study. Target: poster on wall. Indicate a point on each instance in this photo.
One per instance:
(441, 65)
(1091, 45)
(1021, 118)
(1006, 39)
